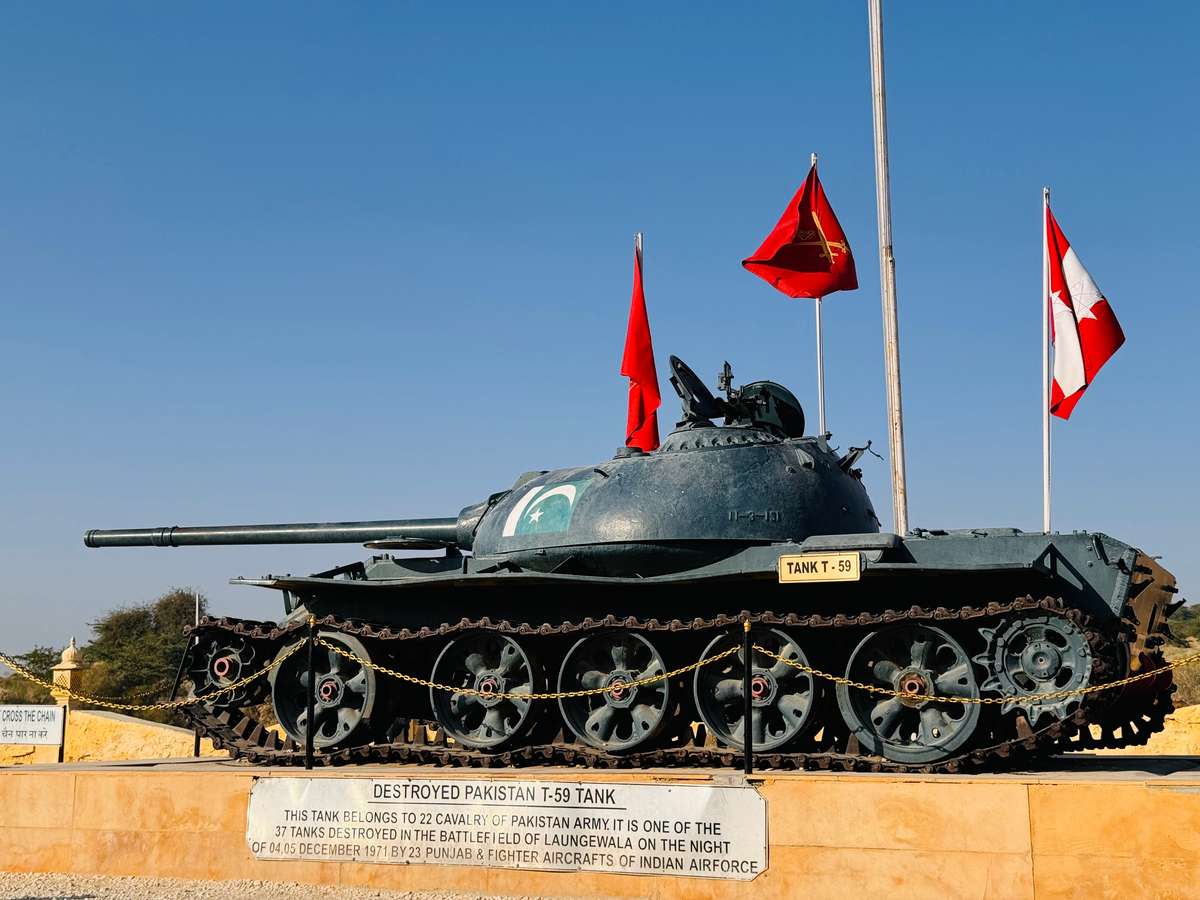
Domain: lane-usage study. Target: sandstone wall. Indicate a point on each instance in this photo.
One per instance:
(98, 735)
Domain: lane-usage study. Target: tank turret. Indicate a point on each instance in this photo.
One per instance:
(706, 493)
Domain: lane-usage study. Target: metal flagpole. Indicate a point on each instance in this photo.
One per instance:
(1045, 361)
(820, 376)
(821, 429)
(196, 737)
(887, 271)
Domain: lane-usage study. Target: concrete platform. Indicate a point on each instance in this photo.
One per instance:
(1094, 827)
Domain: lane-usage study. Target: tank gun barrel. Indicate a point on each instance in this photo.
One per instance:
(413, 533)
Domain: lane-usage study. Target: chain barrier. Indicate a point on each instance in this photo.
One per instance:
(510, 695)
(108, 703)
(156, 689)
(1048, 695)
(682, 670)
(149, 707)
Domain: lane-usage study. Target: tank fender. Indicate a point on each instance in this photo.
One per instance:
(1089, 570)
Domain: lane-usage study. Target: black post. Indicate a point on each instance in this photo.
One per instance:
(311, 693)
(175, 690)
(62, 744)
(748, 708)
(179, 671)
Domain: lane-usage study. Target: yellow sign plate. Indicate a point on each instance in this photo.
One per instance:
(820, 567)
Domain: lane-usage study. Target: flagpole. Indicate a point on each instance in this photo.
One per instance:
(1045, 400)
(887, 271)
(821, 429)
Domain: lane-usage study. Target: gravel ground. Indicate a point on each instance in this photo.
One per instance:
(40, 886)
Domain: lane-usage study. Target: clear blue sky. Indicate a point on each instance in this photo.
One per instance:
(287, 262)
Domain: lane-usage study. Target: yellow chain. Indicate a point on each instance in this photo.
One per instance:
(586, 692)
(509, 695)
(146, 693)
(836, 679)
(1049, 695)
(147, 707)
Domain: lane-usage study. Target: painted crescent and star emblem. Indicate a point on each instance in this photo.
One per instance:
(545, 509)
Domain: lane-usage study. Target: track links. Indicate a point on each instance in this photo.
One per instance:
(1136, 718)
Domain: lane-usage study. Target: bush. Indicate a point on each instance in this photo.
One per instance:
(1187, 678)
(1185, 623)
(136, 649)
(39, 661)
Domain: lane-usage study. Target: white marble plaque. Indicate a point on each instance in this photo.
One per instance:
(705, 831)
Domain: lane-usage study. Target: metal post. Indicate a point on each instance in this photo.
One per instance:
(748, 697)
(1045, 400)
(821, 428)
(196, 618)
(310, 694)
(887, 271)
(195, 642)
(178, 675)
(62, 744)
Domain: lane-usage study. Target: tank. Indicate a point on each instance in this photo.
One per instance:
(599, 584)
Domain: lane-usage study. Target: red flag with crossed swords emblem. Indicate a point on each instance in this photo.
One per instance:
(806, 255)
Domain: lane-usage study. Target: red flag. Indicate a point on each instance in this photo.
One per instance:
(1084, 328)
(641, 428)
(807, 254)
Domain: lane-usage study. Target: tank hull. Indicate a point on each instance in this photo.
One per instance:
(987, 595)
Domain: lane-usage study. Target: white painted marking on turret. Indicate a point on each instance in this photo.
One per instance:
(510, 524)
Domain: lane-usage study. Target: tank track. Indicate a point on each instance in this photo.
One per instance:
(1127, 721)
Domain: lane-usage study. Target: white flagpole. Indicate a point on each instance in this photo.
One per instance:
(1045, 400)
(820, 375)
(821, 429)
(887, 271)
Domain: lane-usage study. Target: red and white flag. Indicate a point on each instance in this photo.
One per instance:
(637, 364)
(1084, 328)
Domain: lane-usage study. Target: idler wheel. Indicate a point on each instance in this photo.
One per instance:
(782, 696)
(218, 662)
(344, 695)
(623, 718)
(918, 661)
(492, 665)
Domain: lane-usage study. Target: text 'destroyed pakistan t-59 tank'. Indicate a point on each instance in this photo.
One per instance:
(593, 581)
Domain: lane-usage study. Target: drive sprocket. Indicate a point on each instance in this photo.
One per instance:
(1031, 661)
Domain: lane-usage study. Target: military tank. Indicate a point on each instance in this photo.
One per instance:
(599, 582)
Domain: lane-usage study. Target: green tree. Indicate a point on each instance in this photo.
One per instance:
(1185, 623)
(39, 661)
(137, 648)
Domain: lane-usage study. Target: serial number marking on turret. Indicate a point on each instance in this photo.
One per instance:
(820, 567)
